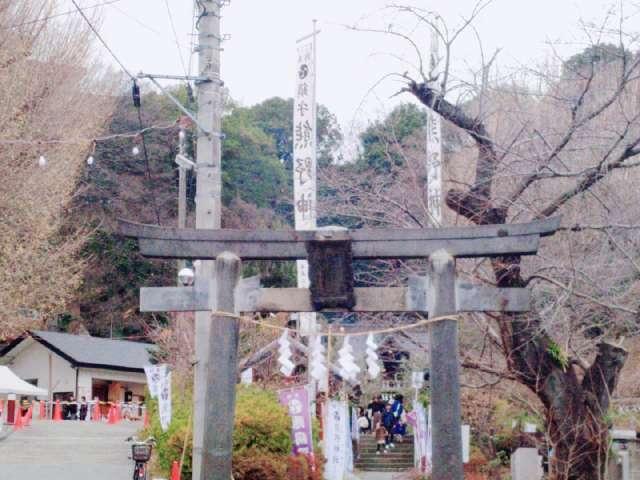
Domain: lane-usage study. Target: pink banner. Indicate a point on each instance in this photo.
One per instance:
(297, 402)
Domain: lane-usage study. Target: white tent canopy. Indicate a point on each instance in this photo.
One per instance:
(10, 383)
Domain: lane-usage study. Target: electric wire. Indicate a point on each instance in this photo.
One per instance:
(104, 43)
(191, 38)
(142, 24)
(61, 14)
(147, 164)
(77, 141)
(175, 37)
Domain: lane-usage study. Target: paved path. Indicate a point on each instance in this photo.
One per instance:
(377, 475)
(68, 451)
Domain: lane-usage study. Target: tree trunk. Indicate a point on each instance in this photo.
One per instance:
(576, 416)
(580, 446)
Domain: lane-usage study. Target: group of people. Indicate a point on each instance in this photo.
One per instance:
(386, 420)
(73, 410)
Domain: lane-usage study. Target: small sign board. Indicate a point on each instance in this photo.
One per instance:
(246, 377)
(417, 379)
(466, 443)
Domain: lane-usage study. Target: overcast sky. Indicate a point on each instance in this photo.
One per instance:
(259, 59)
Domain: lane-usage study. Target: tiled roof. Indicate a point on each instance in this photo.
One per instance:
(96, 352)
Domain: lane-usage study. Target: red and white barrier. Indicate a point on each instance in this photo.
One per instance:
(84, 411)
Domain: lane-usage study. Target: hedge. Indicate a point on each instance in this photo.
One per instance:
(261, 437)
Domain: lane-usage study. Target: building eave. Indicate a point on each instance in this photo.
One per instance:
(110, 367)
(13, 344)
(74, 363)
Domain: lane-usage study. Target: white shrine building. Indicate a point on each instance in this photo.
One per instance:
(80, 365)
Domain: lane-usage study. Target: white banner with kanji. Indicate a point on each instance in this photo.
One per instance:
(155, 374)
(304, 159)
(164, 402)
(434, 146)
(434, 168)
(304, 138)
(338, 441)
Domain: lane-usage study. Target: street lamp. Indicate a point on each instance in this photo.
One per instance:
(186, 276)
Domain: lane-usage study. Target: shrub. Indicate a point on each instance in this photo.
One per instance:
(257, 465)
(261, 423)
(169, 444)
(305, 467)
(262, 428)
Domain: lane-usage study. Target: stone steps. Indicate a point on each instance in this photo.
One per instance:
(384, 467)
(396, 459)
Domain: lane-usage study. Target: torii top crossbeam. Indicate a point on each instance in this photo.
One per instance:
(330, 255)
(461, 242)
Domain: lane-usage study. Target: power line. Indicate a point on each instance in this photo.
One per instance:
(175, 37)
(193, 31)
(142, 24)
(146, 162)
(86, 19)
(77, 141)
(61, 14)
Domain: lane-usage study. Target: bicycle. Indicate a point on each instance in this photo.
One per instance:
(141, 454)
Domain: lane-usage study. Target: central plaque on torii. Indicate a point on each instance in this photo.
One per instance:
(330, 255)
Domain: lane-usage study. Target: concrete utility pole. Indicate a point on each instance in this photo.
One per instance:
(209, 404)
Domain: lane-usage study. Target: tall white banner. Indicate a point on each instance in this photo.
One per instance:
(338, 441)
(429, 447)
(304, 159)
(421, 438)
(164, 402)
(304, 137)
(434, 150)
(155, 375)
(434, 168)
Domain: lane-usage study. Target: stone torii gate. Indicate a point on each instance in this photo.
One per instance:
(330, 255)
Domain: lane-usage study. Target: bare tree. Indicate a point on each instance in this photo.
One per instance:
(55, 98)
(555, 141)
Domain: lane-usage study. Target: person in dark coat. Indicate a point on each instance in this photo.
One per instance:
(376, 405)
(388, 422)
(398, 406)
(83, 408)
(72, 409)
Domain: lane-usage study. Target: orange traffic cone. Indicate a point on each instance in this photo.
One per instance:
(17, 424)
(111, 417)
(175, 471)
(27, 418)
(43, 411)
(57, 412)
